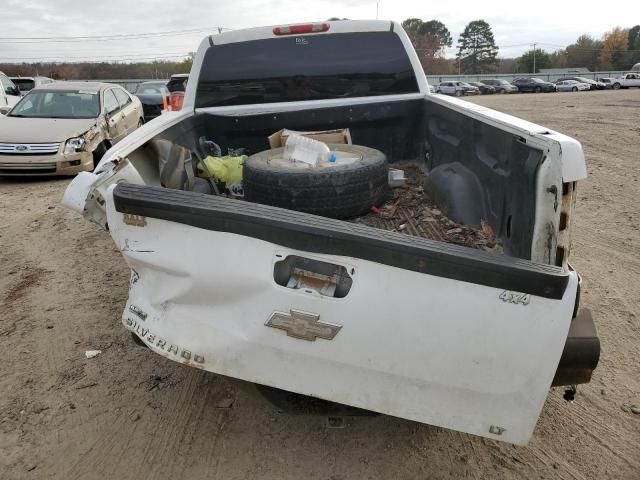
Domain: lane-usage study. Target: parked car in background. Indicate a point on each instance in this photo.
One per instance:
(627, 80)
(457, 88)
(500, 86)
(10, 94)
(154, 97)
(607, 82)
(571, 86)
(593, 84)
(535, 85)
(432, 89)
(26, 84)
(176, 85)
(484, 89)
(65, 127)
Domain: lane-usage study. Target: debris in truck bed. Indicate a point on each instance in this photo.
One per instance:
(413, 213)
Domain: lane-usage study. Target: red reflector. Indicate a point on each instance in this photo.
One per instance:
(176, 99)
(299, 29)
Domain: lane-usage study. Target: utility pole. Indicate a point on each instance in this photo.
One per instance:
(534, 58)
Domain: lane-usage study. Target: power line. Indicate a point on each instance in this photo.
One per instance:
(104, 38)
(125, 55)
(95, 59)
(587, 49)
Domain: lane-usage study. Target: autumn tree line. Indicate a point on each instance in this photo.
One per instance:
(477, 52)
(101, 70)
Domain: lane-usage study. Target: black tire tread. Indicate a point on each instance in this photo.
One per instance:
(342, 192)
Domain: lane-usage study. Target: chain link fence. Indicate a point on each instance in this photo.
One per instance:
(132, 84)
(548, 77)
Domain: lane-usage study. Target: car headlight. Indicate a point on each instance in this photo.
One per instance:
(73, 145)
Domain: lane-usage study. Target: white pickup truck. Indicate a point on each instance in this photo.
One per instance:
(627, 80)
(394, 323)
(9, 94)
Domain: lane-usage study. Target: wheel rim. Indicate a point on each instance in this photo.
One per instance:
(538, 89)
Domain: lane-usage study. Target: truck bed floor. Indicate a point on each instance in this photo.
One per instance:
(411, 212)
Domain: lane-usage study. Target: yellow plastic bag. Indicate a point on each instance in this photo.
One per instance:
(225, 169)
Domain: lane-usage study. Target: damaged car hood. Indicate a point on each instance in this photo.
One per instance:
(43, 130)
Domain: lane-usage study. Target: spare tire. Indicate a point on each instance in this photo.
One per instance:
(347, 188)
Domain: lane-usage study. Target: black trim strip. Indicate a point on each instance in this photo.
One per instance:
(321, 235)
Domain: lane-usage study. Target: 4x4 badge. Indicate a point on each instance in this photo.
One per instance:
(305, 326)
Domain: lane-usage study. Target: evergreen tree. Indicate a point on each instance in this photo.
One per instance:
(634, 38)
(477, 49)
(526, 61)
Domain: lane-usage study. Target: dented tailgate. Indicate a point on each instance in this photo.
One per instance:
(422, 330)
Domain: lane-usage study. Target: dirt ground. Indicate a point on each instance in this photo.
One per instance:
(131, 414)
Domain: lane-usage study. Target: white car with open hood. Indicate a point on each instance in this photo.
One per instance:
(282, 287)
(9, 94)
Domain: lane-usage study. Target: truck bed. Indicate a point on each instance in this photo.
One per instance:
(412, 212)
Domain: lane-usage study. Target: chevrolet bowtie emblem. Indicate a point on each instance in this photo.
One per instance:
(305, 326)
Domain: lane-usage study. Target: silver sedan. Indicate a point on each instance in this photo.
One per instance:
(571, 86)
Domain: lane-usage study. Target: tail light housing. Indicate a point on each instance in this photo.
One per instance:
(165, 103)
(176, 99)
(301, 28)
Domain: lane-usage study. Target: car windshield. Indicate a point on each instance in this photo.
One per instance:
(151, 89)
(58, 104)
(538, 80)
(24, 84)
(583, 80)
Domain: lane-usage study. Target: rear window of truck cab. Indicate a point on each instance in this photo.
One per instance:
(307, 67)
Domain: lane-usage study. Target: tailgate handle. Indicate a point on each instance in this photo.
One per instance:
(312, 276)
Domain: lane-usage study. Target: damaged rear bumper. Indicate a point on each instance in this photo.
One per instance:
(581, 352)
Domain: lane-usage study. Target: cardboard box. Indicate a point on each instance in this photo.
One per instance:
(342, 135)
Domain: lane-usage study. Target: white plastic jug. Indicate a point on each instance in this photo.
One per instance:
(303, 149)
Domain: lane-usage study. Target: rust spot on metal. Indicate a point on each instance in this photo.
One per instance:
(563, 244)
(564, 221)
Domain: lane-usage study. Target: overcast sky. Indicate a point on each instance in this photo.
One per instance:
(515, 24)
